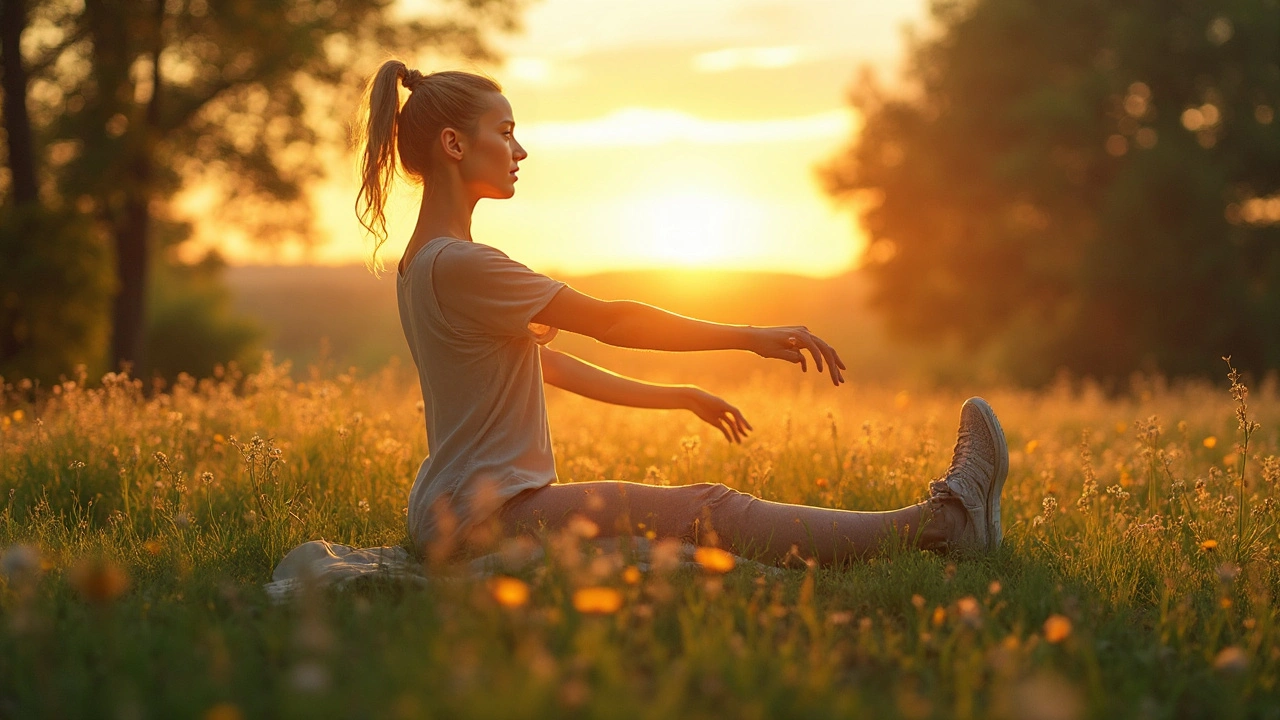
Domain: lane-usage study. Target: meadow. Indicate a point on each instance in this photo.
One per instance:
(1137, 579)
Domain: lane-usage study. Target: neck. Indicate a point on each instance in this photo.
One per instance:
(445, 212)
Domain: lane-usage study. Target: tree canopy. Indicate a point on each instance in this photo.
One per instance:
(131, 100)
(1085, 184)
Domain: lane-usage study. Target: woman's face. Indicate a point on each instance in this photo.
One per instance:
(491, 155)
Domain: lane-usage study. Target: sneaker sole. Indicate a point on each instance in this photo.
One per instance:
(995, 533)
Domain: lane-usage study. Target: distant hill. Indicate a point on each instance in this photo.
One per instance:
(346, 317)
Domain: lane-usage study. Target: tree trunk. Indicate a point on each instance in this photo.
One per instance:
(22, 164)
(129, 314)
(133, 228)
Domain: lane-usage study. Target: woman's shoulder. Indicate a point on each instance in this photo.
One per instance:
(470, 249)
(465, 258)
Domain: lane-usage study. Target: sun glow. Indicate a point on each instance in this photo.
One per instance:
(691, 228)
(653, 143)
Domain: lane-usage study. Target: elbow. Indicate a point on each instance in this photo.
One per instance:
(615, 322)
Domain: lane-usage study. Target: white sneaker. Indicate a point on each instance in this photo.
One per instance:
(976, 477)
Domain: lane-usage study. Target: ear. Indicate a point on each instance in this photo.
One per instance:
(451, 143)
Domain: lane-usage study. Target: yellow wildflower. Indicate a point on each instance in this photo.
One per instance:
(1231, 659)
(98, 581)
(223, 711)
(1057, 628)
(509, 592)
(969, 610)
(939, 616)
(597, 600)
(713, 560)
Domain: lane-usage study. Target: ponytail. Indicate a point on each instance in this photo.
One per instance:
(387, 132)
(378, 136)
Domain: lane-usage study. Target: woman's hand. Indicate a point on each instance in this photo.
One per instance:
(717, 413)
(786, 343)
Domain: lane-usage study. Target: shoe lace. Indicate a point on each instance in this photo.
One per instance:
(960, 453)
(964, 443)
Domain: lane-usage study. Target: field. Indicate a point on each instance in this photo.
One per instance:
(1138, 576)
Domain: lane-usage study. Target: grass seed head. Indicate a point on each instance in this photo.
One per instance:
(20, 563)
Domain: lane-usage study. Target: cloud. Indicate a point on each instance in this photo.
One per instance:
(540, 71)
(651, 126)
(765, 58)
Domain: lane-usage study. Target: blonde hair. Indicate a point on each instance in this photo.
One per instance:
(386, 130)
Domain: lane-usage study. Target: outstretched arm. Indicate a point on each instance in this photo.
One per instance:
(635, 325)
(582, 378)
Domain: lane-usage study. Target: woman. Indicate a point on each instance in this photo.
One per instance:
(478, 322)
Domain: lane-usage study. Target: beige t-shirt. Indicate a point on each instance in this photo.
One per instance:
(467, 312)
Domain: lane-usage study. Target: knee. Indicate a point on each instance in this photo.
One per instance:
(716, 494)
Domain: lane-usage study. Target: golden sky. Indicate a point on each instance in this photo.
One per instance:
(663, 132)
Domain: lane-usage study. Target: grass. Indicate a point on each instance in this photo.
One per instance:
(1138, 575)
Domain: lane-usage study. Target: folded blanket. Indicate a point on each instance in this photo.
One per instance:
(320, 563)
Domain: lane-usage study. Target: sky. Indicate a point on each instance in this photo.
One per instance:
(662, 133)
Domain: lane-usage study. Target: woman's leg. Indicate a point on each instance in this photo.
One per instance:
(963, 509)
(713, 514)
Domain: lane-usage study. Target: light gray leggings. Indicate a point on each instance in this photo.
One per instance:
(713, 514)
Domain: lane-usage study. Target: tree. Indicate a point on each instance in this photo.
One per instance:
(17, 121)
(1079, 183)
(51, 281)
(137, 97)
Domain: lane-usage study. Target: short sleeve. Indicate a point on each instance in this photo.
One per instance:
(481, 291)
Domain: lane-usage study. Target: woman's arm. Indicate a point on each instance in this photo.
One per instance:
(582, 378)
(635, 325)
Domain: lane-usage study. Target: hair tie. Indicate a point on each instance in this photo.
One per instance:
(412, 79)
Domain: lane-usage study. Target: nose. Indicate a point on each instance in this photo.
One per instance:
(519, 152)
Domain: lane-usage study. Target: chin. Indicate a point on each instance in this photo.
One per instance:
(499, 192)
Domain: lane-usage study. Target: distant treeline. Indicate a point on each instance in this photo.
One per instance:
(1089, 184)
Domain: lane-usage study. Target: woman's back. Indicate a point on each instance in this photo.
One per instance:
(465, 309)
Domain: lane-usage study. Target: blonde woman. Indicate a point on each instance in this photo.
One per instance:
(478, 324)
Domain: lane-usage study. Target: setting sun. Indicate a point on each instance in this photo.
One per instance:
(689, 228)
(673, 135)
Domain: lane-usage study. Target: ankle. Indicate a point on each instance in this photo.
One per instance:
(946, 517)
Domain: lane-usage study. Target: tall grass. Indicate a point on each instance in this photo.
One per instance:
(1138, 575)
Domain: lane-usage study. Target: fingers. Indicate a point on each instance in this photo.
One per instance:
(720, 425)
(839, 362)
(833, 363)
(823, 354)
(731, 431)
(732, 424)
(798, 357)
(811, 344)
